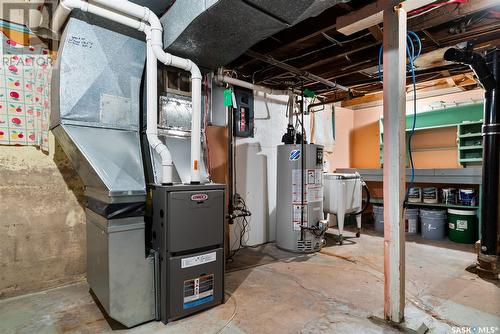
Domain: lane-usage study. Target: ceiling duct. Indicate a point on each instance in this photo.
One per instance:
(199, 30)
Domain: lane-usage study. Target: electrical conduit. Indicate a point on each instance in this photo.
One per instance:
(155, 52)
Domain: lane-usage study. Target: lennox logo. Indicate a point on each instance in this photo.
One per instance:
(199, 197)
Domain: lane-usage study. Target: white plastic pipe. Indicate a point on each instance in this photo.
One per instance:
(116, 17)
(143, 13)
(220, 78)
(155, 49)
(60, 16)
(152, 117)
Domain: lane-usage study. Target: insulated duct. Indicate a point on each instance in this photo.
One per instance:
(199, 30)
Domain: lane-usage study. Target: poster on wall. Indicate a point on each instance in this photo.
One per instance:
(25, 74)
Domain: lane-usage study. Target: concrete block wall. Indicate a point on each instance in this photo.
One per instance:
(42, 220)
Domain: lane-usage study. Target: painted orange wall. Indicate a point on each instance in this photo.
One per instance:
(365, 138)
(433, 149)
(344, 122)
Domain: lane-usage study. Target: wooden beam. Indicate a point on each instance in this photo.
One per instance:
(303, 74)
(394, 162)
(448, 13)
(376, 33)
(294, 43)
(462, 81)
(371, 14)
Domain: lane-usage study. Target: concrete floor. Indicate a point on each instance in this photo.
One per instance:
(271, 291)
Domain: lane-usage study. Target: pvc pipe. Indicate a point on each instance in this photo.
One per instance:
(152, 115)
(116, 17)
(196, 77)
(143, 13)
(60, 16)
(236, 82)
(155, 50)
(127, 8)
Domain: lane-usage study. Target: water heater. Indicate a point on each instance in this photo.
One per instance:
(300, 226)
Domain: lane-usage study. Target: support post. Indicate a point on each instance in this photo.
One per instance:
(394, 162)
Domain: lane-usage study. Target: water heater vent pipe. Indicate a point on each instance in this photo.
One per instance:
(136, 16)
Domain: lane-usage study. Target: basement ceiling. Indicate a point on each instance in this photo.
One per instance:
(315, 46)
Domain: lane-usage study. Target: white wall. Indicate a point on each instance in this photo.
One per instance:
(256, 167)
(256, 163)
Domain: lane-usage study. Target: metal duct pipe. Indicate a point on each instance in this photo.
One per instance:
(476, 62)
(489, 78)
(490, 214)
(220, 78)
(154, 40)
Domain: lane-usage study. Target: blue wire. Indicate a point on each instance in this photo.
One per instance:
(380, 61)
(412, 56)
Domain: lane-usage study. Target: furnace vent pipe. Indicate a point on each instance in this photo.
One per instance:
(489, 78)
(220, 78)
(156, 31)
(155, 52)
(476, 62)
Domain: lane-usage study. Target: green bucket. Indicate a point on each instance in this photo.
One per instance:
(463, 226)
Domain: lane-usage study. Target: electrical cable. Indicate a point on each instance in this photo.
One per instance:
(367, 201)
(302, 163)
(244, 213)
(413, 52)
(235, 311)
(412, 57)
(435, 5)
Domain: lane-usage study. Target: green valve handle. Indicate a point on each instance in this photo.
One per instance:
(228, 98)
(309, 93)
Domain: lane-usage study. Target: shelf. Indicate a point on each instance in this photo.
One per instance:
(475, 147)
(470, 135)
(429, 175)
(471, 160)
(439, 205)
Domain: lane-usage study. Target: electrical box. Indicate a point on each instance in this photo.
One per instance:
(243, 113)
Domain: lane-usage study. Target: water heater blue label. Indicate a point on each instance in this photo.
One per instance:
(294, 155)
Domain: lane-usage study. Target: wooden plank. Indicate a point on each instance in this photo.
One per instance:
(376, 33)
(436, 85)
(287, 47)
(371, 14)
(363, 18)
(217, 148)
(394, 162)
(448, 13)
